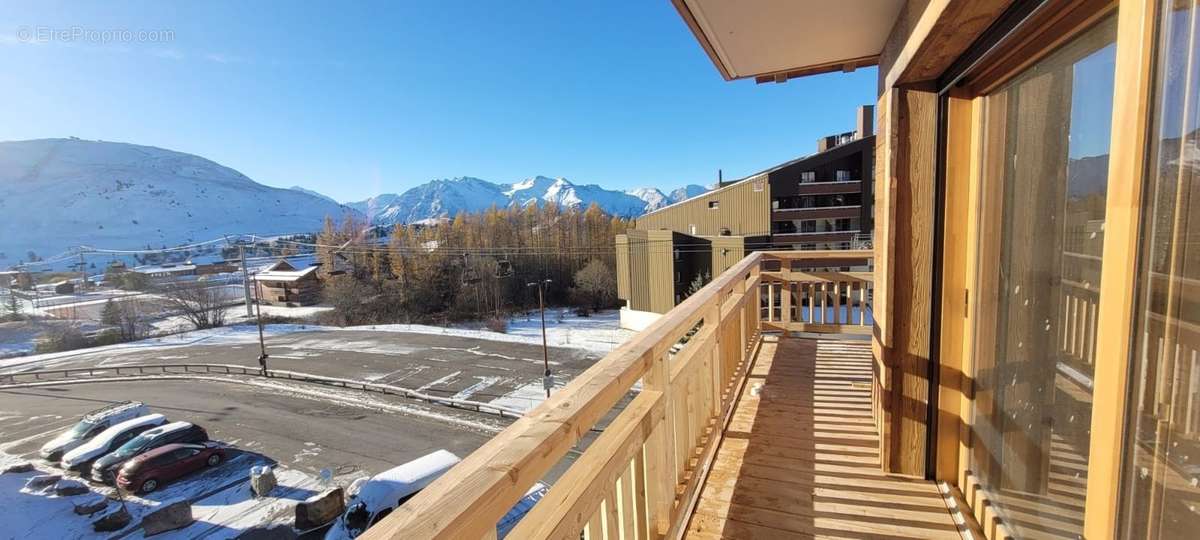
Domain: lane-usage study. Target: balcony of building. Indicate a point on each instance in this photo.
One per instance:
(750, 410)
(817, 212)
(829, 187)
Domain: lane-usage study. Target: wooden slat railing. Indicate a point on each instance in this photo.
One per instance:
(820, 301)
(641, 475)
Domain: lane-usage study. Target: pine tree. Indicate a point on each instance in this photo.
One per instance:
(698, 283)
(14, 306)
(111, 314)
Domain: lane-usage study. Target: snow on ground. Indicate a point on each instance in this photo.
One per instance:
(526, 397)
(222, 503)
(230, 512)
(354, 398)
(237, 315)
(599, 333)
(241, 334)
(484, 382)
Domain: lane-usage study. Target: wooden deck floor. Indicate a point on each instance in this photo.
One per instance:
(800, 459)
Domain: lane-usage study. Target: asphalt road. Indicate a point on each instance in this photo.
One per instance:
(307, 433)
(466, 368)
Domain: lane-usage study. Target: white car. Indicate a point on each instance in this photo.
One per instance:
(108, 440)
(376, 497)
(90, 426)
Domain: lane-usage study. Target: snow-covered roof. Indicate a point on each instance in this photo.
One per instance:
(101, 442)
(116, 408)
(284, 275)
(166, 268)
(406, 479)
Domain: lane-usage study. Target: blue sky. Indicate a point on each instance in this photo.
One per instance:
(357, 99)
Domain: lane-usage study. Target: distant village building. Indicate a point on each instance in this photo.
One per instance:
(167, 271)
(172, 272)
(283, 285)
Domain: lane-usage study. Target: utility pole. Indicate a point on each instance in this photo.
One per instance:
(82, 271)
(548, 380)
(262, 345)
(245, 280)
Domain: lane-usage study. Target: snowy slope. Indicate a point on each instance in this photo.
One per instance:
(445, 198)
(319, 195)
(56, 194)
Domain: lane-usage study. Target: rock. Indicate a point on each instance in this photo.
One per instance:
(70, 488)
(18, 467)
(320, 509)
(262, 481)
(91, 505)
(170, 516)
(112, 521)
(42, 481)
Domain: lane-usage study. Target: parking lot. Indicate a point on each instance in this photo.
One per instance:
(298, 432)
(506, 373)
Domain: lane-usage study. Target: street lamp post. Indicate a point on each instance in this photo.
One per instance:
(541, 286)
(262, 345)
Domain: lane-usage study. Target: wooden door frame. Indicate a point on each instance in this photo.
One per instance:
(962, 150)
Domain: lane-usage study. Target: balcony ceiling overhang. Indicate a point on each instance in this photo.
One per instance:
(774, 40)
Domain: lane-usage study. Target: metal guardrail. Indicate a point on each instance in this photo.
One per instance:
(83, 373)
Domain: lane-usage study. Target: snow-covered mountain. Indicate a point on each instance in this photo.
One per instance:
(56, 194)
(686, 192)
(653, 197)
(319, 195)
(445, 198)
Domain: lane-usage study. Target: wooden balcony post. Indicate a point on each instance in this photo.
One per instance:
(785, 293)
(660, 451)
(770, 301)
(717, 381)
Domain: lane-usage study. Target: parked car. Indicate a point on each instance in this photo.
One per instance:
(373, 499)
(518, 511)
(91, 425)
(145, 472)
(104, 469)
(81, 458)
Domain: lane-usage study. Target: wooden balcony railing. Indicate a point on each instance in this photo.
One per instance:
(640, 477)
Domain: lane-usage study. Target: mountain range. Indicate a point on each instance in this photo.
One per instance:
(58, 194)
(447, 197)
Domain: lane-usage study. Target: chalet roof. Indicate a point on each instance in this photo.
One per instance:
(282, 265)
(283, 275)
(165, 268)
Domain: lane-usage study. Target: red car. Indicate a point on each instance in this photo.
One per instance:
(146, 472)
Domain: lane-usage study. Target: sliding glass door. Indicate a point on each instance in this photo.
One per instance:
(1160, 496)
(1044, 182)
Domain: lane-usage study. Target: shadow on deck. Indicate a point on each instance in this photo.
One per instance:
(800, 456)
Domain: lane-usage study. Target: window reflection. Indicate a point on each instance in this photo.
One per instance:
(1045, 181)
(1160, 493)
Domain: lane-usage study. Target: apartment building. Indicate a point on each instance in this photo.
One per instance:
(1033, 369)
(820, 201)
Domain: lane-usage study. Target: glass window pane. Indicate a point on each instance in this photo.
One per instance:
(1160, 497)
(1045, 179)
